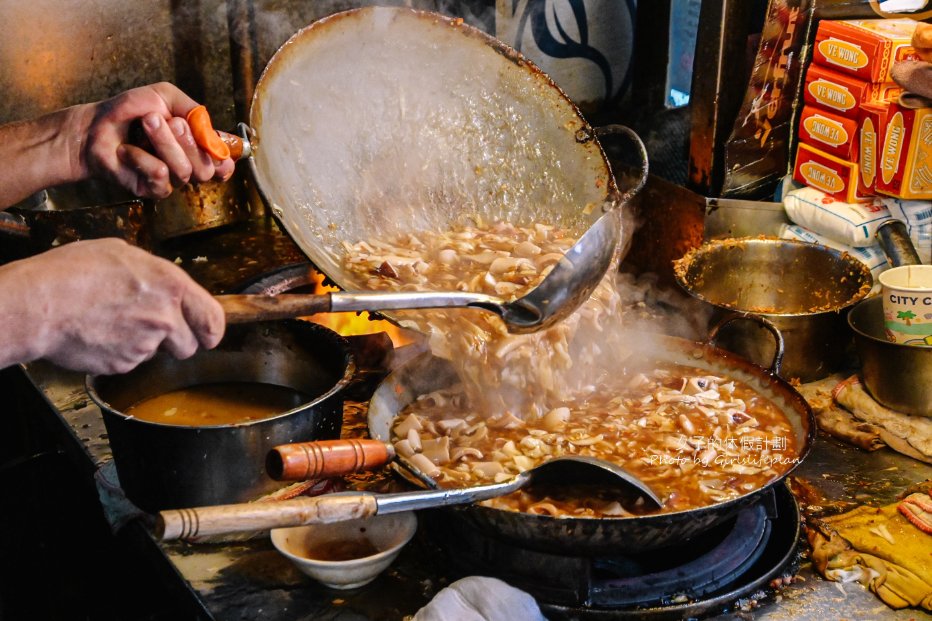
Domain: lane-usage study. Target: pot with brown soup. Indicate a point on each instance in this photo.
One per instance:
(194, 432)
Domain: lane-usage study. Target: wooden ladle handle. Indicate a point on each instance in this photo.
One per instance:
(254, 516)
(248, 308)
(303, 461)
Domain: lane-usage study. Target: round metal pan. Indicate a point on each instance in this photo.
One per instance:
(602, 536)
(386, 120)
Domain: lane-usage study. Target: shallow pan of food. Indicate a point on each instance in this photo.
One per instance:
(783, 435)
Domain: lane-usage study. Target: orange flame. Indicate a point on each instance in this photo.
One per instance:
(351, 323)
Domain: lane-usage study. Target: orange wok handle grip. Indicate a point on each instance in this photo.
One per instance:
(327, 458)
(245, 308)
(219, 145)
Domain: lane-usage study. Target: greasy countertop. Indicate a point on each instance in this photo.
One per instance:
(249, 580)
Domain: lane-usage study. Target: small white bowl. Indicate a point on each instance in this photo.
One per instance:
(385, 534)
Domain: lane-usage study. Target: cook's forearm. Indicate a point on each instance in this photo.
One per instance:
(40, 153)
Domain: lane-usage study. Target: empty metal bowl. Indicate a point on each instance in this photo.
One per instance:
(803, 289)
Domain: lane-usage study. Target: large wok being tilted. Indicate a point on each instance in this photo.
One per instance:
(380, 121)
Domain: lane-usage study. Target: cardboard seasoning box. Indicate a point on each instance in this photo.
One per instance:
(831, 133)
(872, 122)
(904, 162)
(842, 93)
(838, 178)
(865, 48)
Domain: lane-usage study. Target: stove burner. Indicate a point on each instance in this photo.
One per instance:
(707, 575)
(717, 558)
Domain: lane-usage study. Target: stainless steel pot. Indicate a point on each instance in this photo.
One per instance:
(896, 375)
(803, 289)
(30, 229)
(600, 536)
(169, 466)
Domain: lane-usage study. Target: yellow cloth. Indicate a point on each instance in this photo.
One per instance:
(879, 548)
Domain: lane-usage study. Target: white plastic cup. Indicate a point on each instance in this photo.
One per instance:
(907, 304)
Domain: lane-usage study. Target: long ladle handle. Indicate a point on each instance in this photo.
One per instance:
(254, 516)
(246, 308)
(302, 461)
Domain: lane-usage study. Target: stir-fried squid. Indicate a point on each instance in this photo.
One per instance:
(697, 439)
(501, 372)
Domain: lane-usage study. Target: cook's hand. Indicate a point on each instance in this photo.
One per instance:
(174, 158)
(103, 306)
(915, 76)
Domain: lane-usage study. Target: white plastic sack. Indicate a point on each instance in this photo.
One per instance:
(851, 224)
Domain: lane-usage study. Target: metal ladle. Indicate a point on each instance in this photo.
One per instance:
(253, 516)
(563, 289)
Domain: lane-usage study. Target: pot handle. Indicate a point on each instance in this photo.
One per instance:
(614, 130)
(777, 361)
(303, 461)
(254, 516)
(14, 225)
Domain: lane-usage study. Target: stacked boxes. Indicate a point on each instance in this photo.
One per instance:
(844, 149)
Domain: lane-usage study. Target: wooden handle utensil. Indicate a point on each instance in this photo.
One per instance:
(246, 308)
(254, 516)
(303, 461)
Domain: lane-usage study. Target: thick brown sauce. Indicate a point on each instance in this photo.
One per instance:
(691, 455)
(226, 403)
(341, 549)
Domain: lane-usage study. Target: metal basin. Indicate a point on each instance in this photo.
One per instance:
(897, 376)
(803, 289)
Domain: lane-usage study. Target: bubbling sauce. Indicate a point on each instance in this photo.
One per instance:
(224, 403)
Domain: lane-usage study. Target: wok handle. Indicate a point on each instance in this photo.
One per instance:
(254, 516)
(239, 146)
(245, 308)
(780, 344)
(644, 168)
(303, 461)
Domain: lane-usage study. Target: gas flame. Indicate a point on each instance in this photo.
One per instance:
(351, 323)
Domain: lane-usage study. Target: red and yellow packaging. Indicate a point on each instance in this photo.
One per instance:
(904, 164)
(842, 93)
(838, 178)
(866, 48)
(831, 133)
(872, 123)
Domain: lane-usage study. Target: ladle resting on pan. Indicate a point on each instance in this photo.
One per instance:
(563, 289)
(224, 519)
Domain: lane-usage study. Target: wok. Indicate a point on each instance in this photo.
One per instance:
(385, 120)
(601, 536)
